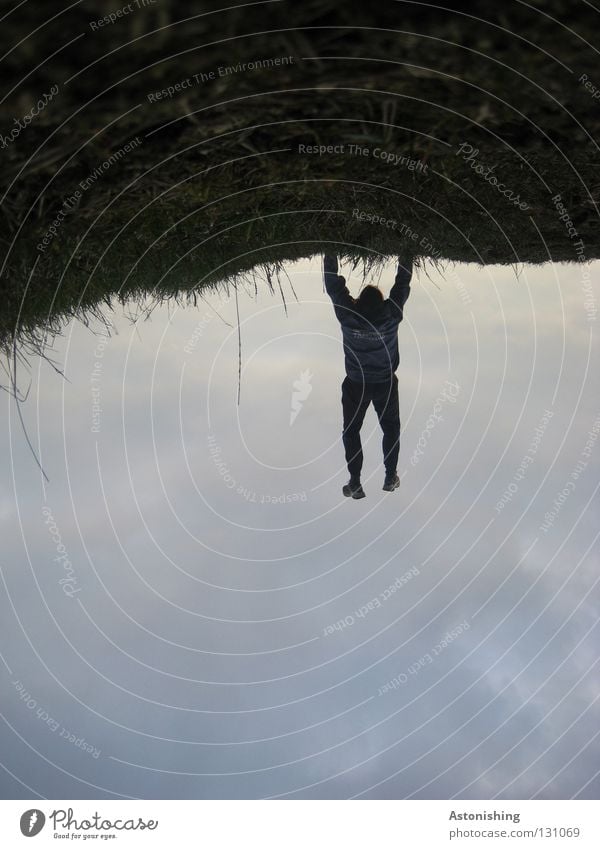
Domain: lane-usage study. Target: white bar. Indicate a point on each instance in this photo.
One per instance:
(306, 824)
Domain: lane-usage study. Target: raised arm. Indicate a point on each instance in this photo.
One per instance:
(335, 284)
(401, 288)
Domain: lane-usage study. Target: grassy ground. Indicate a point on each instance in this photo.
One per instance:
(218, 182)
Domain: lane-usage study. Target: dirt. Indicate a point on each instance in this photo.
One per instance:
(455, 134)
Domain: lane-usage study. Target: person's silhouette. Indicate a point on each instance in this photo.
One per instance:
(370, 337)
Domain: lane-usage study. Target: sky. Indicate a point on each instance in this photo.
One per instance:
(190, 608)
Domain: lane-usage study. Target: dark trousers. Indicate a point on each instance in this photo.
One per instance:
(356, 398)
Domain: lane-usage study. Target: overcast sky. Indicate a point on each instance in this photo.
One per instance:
(205, 551)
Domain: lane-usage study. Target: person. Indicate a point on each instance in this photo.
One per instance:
(370, 338)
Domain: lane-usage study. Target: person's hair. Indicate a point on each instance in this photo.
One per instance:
(369, 301)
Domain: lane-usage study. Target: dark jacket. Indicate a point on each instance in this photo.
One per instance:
(370, 346)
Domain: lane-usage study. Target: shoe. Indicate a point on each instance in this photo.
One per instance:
(391, 483)
(353, 490)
